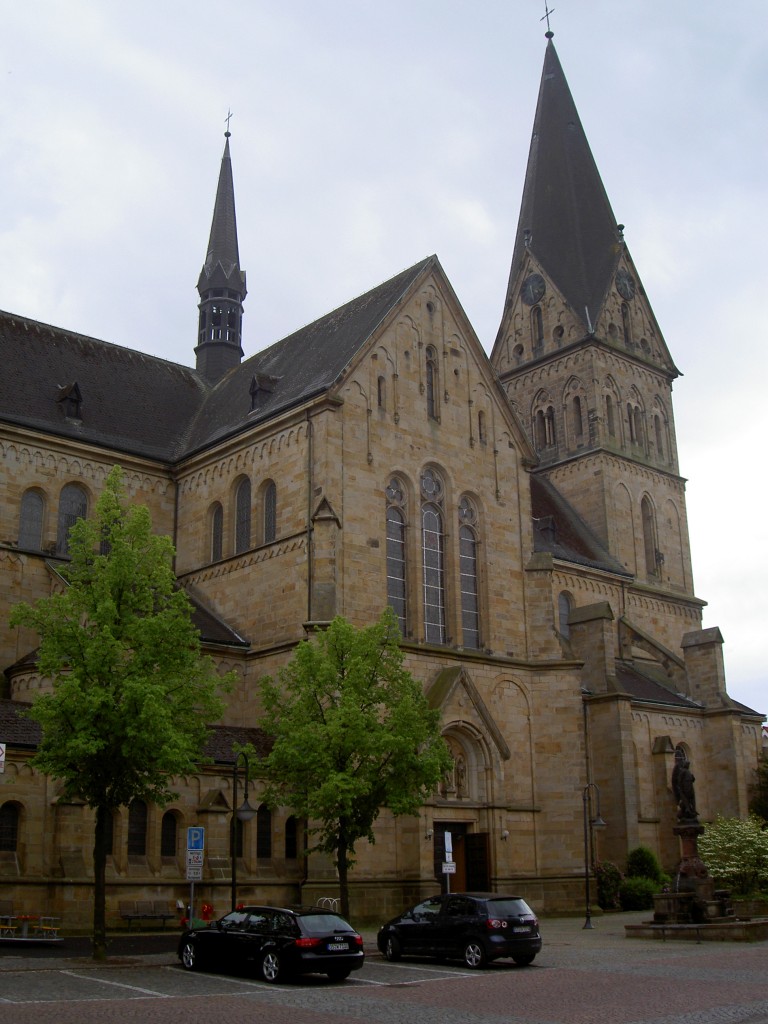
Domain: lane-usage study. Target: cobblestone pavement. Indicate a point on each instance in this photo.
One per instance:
(582, 976)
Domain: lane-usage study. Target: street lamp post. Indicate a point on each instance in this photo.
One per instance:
(589, 824)
(243, 813)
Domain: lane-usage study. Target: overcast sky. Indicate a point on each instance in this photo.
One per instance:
(368, 134)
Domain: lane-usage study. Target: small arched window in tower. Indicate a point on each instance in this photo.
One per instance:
(243, 516)
(73, 505)
(433, 383)
(263, 833)
(610, 418)
(537, 327)
(169, 828)
(639, 425)
(626, 323)
(481, 427)
(518, 352)
(270, 511)
(650, 547)
(433, 554)
(217, 531)
(549, 423)
(381, 392)
(564, 606)
(396, 553)
(557, 335)
(31, 521)
(577, 420)
(9, 827)
(468, 570)
(659, 436)
(137, 829)
(631, 423)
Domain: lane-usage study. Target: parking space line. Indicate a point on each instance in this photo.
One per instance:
(93, 976)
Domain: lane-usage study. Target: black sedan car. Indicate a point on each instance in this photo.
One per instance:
(476, 927)
(280, 943)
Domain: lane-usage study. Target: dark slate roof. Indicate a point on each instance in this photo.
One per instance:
(300, 366)
(131, 402)
(212, 629)
(222, 740)
(15, 729)
(560, 530)
(644, 688)
(564, 205)
(222, 244)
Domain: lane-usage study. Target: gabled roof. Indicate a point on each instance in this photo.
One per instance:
(573, 233)
(129, 402)
(560, 530)
(647, 690)
(302, 365)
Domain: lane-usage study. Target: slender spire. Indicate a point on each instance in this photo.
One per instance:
(221, 283)
(566, 221)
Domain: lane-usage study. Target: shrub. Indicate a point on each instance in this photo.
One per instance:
(735, 851)
(637, 893)
(608, 879)
(643, 863)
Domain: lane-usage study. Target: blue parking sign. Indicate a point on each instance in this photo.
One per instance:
(196, 838)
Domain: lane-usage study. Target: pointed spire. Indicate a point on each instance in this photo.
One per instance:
(566, 221)
(221, 283)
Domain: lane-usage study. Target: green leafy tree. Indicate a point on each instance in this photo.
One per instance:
(131, 693)
(735, 851)
(353, 734)
(642, 862)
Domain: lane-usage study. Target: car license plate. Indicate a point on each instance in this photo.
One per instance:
(522, 928)
(334, 947)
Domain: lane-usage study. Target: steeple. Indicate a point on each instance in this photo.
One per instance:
(566, 223)
(221, 285)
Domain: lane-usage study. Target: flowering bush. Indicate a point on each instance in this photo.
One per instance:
(736, 852)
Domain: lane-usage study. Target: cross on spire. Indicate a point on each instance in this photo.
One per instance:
(228, 118)
(547, 11)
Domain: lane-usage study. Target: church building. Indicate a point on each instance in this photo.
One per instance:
(523, 514)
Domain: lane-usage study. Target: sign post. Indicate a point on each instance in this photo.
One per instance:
(195, 853)
(449, 868)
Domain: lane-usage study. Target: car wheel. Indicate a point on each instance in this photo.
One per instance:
(271, 966)
(392, 949)
(190, 960)
(474, 955)
(340, 974)
(524, 959)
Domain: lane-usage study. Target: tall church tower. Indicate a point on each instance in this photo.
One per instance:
(582, 357)
(221, 285)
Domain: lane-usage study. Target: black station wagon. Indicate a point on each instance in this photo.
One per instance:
(476, 927)
(280, 943)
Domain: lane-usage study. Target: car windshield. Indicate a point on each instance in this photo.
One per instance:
(319, 924)
(509, 908)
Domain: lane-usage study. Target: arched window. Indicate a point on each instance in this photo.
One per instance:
(433, 383)
(169, 828)
(631, 423)
(470, 603)
(291, 838)
(31, 521)
(73, 505)
(577, 420)
(396, 554)
(544, 428)
(270, 511)
(639, 425)
(659, 436)
(243, 516)
(263, 832)
(549, 426)
(217, 531)
(626, 323)
(9, 827)
(649, 537)
(137, 828)
(481, 427)
(381, 392)
(433, 553)
(564, 605)
(610, 418)
(537, 327)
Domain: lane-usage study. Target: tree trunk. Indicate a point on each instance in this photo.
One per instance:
(342, 851)
(100, 885)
